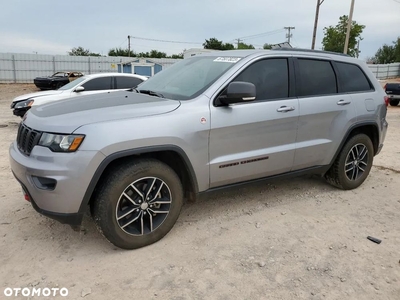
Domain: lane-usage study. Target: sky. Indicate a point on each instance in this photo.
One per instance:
(55, 27)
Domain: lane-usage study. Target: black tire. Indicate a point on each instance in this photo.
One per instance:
(394, 102)
(117, 196)
(346, 172)
(58, 85)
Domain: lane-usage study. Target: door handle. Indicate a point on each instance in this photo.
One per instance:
(343, 102)
(285, 108)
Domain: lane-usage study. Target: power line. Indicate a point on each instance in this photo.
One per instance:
(163, 41)
(122, 43)
(262, 34)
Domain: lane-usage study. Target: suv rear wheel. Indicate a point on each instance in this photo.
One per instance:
(394, 102)
(353, 164)
(138, 204)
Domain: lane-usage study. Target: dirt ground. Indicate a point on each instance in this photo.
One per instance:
(293, 239)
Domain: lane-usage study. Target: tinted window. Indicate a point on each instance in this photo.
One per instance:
(271, 78)
(316, 78)
(124, 82)
(352, 79)
(96, 84)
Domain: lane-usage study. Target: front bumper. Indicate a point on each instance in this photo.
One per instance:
(394, 97)
(74, 219)
(69, 173)
(44, 85)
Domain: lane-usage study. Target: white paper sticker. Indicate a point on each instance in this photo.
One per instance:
(232, 60)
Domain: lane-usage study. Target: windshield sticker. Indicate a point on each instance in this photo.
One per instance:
(232, 60)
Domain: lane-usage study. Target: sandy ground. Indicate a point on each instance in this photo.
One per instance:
(294, 239)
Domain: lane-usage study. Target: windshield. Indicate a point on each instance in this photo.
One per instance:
(72, 84)
(188, 78)
(59, 74)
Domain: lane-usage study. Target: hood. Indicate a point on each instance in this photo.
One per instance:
(48, 77)
(66, 116)
(37, 94)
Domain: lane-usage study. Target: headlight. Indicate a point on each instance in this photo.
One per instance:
(25, 103)
(61, 142)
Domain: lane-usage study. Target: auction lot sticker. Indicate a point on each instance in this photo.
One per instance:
(233, 60)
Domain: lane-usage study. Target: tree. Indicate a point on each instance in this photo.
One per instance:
(388, 53)
(157, 54)
(267, 46)
(245, 46)
(180, 55)
(215, 44)
(121, 52)
(334, 37)
(80, 51)
(397, 50)
(385, 55)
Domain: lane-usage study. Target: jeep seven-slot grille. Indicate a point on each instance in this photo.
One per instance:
(27, 138)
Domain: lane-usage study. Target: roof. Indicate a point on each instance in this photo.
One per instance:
(285, 51)
(96, 75)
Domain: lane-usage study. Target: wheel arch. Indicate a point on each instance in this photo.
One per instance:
(370, 129)
(171, 155)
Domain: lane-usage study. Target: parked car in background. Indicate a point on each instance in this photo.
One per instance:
(393, 92)
(84, 85)
(56, 80)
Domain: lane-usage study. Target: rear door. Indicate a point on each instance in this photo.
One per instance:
(255, 139)
(325, 114)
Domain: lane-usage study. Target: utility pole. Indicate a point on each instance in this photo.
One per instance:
(346, 43)
(129, 45)
(289, 35)
(319, 3)
(358, 49)
(238, 42)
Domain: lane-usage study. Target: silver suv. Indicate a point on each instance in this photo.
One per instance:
(207, 122)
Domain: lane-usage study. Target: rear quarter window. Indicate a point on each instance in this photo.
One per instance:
(352, 78)
(125, 82)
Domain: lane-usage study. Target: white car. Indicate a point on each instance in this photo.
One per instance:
(85, 85)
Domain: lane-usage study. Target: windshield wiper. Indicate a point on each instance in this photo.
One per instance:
(151, 93)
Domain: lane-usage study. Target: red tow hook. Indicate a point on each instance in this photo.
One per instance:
(27, 197)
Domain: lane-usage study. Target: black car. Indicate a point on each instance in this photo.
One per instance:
(56, 80)
(393, 92)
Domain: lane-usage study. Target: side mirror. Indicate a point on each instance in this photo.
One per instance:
(79, 89)
(239, 91)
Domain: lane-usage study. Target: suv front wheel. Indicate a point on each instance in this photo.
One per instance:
(138, 203)
(353, 163)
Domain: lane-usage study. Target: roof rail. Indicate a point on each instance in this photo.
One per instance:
(310, 51)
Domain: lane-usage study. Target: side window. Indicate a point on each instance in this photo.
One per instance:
(98, 84)
(124, 82)
(270, 76)
(352, 79)
(316, 78)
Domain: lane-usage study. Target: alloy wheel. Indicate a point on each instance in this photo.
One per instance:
(143, 206)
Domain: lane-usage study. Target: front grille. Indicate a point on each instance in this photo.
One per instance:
(27, 138)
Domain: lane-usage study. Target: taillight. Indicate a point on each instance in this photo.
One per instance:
(386, 98)
(385, 87)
